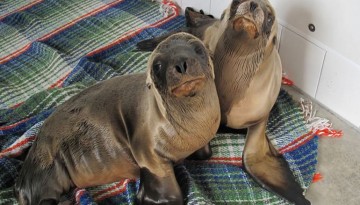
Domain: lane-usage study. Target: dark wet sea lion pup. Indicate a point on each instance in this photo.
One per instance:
(128, 127)
(248, 78)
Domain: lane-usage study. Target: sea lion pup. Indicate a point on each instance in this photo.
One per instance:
(248, 78)
(127, 127)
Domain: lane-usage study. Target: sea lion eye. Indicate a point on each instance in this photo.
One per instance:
(157, 67)
(199, 51)
(270, 19)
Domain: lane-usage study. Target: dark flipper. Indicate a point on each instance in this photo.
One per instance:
(269, 168)
(196, 19)
(150, 44)
(201, 154)
(41, 185)
(196, 23)
(158, 190)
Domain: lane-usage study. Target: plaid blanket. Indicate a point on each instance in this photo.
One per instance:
(52, 49)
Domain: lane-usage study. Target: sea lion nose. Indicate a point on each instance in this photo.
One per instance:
(253, 6)
(181, 67)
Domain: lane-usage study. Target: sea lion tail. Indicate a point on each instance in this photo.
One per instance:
(36, 185)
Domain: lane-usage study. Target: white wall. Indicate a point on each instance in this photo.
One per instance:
(326, 63)
(337, 23)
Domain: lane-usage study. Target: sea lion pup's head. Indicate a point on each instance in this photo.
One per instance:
(255, 18)
(180, 66)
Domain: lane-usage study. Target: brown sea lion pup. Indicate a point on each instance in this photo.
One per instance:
(248, 78)
(130, 126)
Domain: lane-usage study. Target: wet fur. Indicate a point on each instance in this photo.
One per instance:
(125, 127)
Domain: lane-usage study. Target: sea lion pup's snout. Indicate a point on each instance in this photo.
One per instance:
(180, 66)
(252, 16)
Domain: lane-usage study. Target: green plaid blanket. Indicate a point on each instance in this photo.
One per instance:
(52, 49)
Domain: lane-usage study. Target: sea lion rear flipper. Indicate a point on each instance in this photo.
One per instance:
(269, 168)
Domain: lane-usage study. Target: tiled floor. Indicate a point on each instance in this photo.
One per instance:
(339, 162)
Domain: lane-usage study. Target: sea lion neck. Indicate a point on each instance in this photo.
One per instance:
(240, 43)
(238, 57)
(192, 107)
(236, 60)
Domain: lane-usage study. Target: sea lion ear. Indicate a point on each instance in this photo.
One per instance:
(149, 81)
(272, 35)
(148, 85)
(211, 64)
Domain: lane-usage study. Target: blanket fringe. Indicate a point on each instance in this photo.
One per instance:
(286, 81)
(317, 177)
(168, 7)
(78, 194)
(318, 126)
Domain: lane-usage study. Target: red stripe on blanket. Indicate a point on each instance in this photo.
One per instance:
(17, 105)
(71, 23)
(297, 143)
(13, 125)
(131, 34)
(111, 194)
(59, 82)
(21, 9)
(17, 145)
(118, 188)
(238, 164)
(58, 30)
(226, 158)
(237, 161)
(15, 54)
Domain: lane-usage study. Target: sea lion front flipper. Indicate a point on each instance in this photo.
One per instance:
(158, 190)
(202, 153)
(268, 168)
(151, 43)
(196, 19)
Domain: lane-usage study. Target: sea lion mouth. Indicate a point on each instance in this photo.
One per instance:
(188, 87)
(244, 23)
